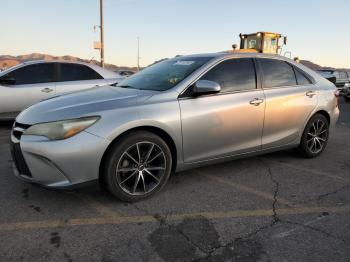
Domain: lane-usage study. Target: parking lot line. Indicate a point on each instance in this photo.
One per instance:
(174, 217)
(312, 171)
(98, 206)
(248, 189)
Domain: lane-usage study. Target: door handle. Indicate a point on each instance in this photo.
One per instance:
(46, 90)
(310, 93)
(256, 101)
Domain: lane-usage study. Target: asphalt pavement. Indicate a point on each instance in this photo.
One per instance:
(276, 207)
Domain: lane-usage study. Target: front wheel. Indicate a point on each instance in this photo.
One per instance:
(347, 98)
(138, 166)
(315, 136)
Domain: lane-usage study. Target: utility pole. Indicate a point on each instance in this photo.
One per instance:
(138, 53)
(102, 36)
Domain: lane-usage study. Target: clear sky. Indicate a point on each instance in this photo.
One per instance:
(317, 30)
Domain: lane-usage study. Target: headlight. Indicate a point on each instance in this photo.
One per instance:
(347, 85)
(61, 129)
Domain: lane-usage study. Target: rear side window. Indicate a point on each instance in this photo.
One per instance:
(34, 74)
(277, 73)
(74, 72)
(301, 78)
(233, 75)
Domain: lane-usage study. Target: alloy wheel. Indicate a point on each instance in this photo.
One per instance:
(140, 168)
(317, 136)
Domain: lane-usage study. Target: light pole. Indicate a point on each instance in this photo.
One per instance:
(138, 53)
(102, 36)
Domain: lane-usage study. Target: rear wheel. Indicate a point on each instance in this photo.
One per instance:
(315, 136)
(138, 166)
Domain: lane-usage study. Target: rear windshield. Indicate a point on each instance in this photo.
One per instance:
(164, 75)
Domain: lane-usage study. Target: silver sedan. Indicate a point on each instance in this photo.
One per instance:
(178, 114)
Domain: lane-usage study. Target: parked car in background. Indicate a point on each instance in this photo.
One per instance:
(328, 75)
(341, 78)
(177, 114)
(345, 92)
(31, 82)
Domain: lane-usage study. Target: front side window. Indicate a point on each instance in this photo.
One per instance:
(74, 72)
(164, 75)
(33, 74)
(233, 75)
(277, 73)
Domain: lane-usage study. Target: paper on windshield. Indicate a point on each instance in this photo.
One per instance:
(184, 63)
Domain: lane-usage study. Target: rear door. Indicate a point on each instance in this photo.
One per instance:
(32, 84)
(76, 77)
(226, 123)
(290, 99)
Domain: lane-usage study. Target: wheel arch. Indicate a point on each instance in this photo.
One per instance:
(319, 111)
(152, 129)
(324, 113)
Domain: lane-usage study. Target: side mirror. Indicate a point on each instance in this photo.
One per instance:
(7, 80)
(202, 87)
(285, 40)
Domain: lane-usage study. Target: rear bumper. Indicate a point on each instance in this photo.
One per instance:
(58, 164)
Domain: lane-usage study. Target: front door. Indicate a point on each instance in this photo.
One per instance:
(226, 123)
(31, 84)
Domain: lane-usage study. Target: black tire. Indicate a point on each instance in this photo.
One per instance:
(132, 145)
(347, 98)
(308, 143)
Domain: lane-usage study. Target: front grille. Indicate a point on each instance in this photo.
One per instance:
(19, 160)
(18, 129)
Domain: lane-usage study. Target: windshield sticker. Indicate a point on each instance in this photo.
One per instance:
(184, 63)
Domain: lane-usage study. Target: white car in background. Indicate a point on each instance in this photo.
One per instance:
(31, 82)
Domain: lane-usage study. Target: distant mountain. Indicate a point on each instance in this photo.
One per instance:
(7, 61)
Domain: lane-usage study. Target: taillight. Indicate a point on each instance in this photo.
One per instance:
(337, 95)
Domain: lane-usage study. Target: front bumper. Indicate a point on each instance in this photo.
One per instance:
(58, 164)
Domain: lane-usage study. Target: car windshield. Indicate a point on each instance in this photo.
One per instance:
(164, 75)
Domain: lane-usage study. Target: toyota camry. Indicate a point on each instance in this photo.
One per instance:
(175, 115)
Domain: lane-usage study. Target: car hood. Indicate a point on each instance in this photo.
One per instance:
(85, 103)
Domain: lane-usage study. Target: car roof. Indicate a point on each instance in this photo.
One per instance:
(234, 54)
(105, 73)
(31, 62)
